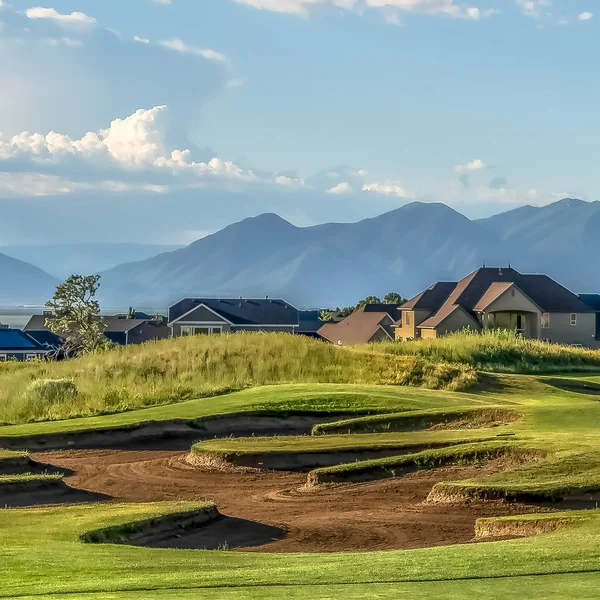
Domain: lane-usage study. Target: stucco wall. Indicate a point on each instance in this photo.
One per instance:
(411, 331)
(562, 332)
(457, 321)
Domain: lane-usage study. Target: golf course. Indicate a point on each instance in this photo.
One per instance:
(269, 465)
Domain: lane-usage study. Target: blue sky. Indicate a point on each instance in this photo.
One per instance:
(184, 116)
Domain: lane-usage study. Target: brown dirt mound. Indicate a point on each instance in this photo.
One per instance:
(379, 515)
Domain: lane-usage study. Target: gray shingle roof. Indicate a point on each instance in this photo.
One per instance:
(264, 311)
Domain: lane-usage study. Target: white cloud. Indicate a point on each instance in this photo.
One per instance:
(162, 1)
(586, 16)
(141, 40)
(474, 165)
(391, 8)
(362, 173)
(180, 46)
(534, 8)
(290, 182)
(387, 188)
(136, 143)
(341, 188)
(74, 19)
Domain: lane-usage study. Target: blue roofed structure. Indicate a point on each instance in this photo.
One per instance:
(18, 345)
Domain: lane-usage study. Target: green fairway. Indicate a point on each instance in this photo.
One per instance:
(541, 431)
(42, 554)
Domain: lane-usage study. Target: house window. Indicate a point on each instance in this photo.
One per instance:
(208, 330)
(407, 319)
(573, 319)
(30, 357)
(3, 357)
(545, 320)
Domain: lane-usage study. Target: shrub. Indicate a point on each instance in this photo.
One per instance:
(52, 391)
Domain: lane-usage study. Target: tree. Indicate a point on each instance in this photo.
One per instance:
(326, 316)
(369, 300)
(393, 298)
(76, 315)
(131, 313)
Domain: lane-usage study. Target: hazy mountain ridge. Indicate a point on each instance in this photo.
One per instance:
(404, 250)
(23, 283)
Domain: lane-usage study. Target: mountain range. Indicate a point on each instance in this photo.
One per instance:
(334, 264)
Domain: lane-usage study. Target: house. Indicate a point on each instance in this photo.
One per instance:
(593, 301)
(309, 323)
(533, 305)
(18, 345)
(370, 323)
(209, 316)
(119, 329)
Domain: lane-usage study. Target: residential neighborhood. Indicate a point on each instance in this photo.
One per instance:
(532, 305)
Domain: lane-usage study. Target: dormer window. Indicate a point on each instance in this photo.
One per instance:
(573, 319)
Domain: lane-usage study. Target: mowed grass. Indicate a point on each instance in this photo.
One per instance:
(181, 369)
(42, 554)
(499, 351)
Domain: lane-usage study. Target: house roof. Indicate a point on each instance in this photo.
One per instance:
(240, 311)
(113, 323)
(484, 285)
(592, 300)
(393, 310)
(358, 328)
(15, 340)
(441, 315)
(432, 298)
(309, 321)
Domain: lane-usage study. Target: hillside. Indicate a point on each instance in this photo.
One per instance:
(62, 260)
(22, 283)
(328, 264)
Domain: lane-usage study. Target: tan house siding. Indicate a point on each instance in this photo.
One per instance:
(411, 330)
(512, 300)
(428, 334)
(562, 332)
(457, 321)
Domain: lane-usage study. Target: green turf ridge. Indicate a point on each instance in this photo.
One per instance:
(28, 478)
(338, 443)
(42, 553)
(464, 418)
(461, 453)
(316, 398)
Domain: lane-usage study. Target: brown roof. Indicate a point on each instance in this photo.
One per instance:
(442, 314)
(484, 285)
(432, 298)
(358, 328)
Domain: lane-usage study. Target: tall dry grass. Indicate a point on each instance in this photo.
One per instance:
(184, 368)
(500, 351)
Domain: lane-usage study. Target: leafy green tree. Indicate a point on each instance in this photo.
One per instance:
(76, 315)
(131, 313)
(393, 298)
(346, 311)
(327, 316)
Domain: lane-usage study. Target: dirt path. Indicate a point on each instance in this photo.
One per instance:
(266, 504)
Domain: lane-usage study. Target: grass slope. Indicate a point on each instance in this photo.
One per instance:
(180, 369)
(499, 351)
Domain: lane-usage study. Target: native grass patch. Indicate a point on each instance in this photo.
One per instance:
(498, 351)
(181, 369)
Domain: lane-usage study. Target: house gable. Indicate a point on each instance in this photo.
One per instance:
(201, 314)
(509, 299)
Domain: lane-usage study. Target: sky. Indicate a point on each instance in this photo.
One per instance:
(160, 121)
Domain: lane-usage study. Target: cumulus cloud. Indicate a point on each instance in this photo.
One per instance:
(534, 8)
(387, 188)
(431, 7)
(586, 16)
(77, 18)
(341, 188)
(136, 143)
(180, 46)
(474, 165)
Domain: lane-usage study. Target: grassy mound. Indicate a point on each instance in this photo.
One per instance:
(175, 370)
(563, 475)
(500, 351)
(461, 453)
(301, 451)
(528, 525)
(471, 418)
